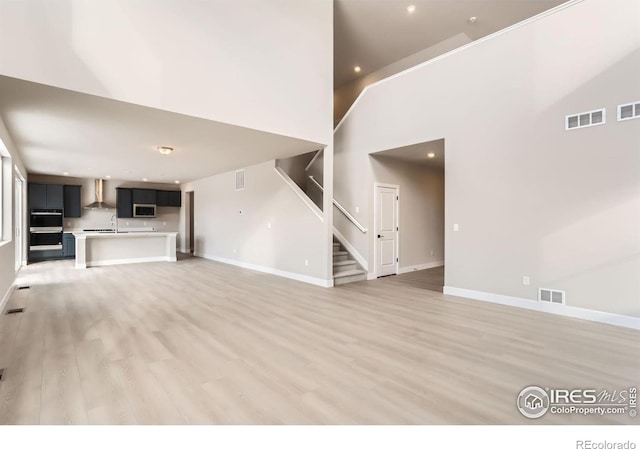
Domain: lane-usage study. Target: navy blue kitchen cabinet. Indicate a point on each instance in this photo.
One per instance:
(124, 203)
(144, 196)
(68, 245)
(72, 201)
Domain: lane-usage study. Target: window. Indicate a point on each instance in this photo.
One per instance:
(585, 119)
(628, 111)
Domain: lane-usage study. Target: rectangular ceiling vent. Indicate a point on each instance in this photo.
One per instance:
(586, 119)
(628, 111)
(240, 180)
(548, 295)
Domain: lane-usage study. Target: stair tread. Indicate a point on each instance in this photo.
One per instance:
(344, 262)
(340, 253)
(343, 274)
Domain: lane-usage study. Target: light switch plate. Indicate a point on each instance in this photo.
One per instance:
(526, 280)
(456, 227)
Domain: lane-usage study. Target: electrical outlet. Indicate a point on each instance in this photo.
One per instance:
(432, 252)
(268, 225)
(145, 223)
(525, 280)
(357, 209)
(127, 223)
(164, 223)
(306, 262)
(456, 227)
(234, 250)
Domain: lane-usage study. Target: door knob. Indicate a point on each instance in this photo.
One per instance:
(379, 236)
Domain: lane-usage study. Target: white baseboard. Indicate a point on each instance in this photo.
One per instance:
(422, 266)
(556, 309)
(103, 263)
(352, 250)
(371, 276)
(7, 295)
(269, 270)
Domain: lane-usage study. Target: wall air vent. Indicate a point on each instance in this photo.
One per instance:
(628, 111)
(585, 119)
(548, 295)
(240, 180)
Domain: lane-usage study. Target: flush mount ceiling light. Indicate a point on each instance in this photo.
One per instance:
(66, 173)
(145, 179)
(431, 155)
(411, 9)
(357, 69)
(472, 19)
(165, 150)
(177, 182)
(108, 176)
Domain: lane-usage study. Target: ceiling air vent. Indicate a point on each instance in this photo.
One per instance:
(548, 295)
(628, 111)
(585, 119)
(240, 180)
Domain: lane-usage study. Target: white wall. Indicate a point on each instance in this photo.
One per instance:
(262, 64)
(344, 96)
(265, 226)
(7, 245)
(530, 198)
(421, 210)
(167, 218)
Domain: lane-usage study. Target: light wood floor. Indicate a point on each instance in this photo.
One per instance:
(202, 342)
(431, 279)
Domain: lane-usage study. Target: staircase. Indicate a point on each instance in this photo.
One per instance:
(345, 269)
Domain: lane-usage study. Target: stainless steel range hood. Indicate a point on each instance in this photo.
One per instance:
(99, 203)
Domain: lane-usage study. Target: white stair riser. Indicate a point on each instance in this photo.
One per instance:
(340, 257)
(349, 279)
(346, 267)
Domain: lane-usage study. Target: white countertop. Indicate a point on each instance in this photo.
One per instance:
(123, 234)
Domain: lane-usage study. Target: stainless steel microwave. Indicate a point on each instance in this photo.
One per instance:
(144, 210)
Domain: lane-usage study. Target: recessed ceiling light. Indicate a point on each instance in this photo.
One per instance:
(472, 19)
(145, 179)
(357, 69)
(108, 176)
(66, 173)
(411, 9)
(431, 155)
(165, 150)
(177, 182)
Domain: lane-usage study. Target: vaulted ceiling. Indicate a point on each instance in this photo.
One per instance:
(372, 34)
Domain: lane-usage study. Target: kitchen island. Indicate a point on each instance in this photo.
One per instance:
(95, 249)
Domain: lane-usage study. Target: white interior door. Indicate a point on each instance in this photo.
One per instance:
(387, 200)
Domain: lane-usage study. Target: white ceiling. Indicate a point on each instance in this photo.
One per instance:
(416, 154)
(58, 130)
(376, 33)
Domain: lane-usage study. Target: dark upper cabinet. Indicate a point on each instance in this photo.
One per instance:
(124, 203)
(162, 198)
(37, 196)
(170, 198)
(144, 196)
(55, 196)
(175, 198)
(45, 196)
(72, 202)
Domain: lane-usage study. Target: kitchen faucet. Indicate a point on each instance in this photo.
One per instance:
(114, 222)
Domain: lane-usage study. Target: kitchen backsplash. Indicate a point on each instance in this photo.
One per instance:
(167, 219)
